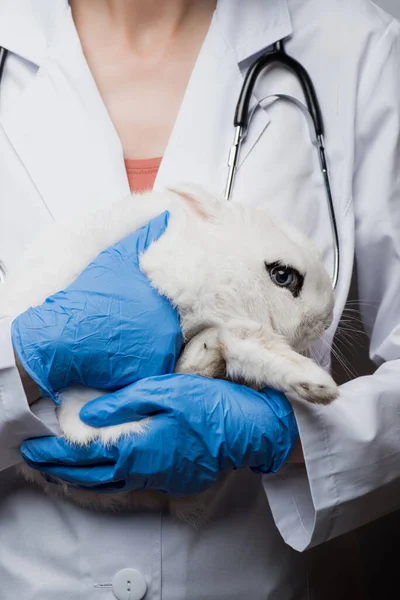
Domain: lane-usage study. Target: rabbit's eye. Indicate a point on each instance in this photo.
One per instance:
(285, 277)
(282, 276)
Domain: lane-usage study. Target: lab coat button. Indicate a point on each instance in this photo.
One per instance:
(129, 584)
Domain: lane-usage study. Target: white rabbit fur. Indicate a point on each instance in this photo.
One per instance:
(210, 263)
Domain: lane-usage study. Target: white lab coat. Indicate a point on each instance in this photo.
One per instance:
(59, 152)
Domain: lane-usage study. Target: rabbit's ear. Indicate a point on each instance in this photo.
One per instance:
(200, 200)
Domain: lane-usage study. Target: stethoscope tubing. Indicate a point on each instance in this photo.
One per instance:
(242, 120)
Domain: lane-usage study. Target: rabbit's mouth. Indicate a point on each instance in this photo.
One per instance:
(295, 339)
(308, 333)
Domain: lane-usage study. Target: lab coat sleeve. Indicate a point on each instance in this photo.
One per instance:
(17, 421)
(351, 474)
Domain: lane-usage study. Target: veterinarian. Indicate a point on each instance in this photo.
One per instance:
(101, 97)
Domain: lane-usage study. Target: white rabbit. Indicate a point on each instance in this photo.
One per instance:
(251, 293)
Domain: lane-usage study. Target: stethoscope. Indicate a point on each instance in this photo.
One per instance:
(243, 117)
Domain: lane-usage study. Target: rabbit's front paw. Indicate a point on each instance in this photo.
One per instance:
(314, 384)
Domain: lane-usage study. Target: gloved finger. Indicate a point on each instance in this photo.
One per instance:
(140, 483)
(281, 407)
(153, 230)
(99, 481)
(278, 402)
(50, 451)
(108, 477)
(87, 477)
(148, 397)
(105, 488)
(144, 237)
(132, 403)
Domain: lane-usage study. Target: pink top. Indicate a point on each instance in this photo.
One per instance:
(142, 173)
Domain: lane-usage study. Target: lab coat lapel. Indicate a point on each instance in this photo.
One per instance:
(64, 137)
(198, 148)
(62, 133)
(27, 26)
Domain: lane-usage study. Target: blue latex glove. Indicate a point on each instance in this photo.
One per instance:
(199, 428)
(106, 330)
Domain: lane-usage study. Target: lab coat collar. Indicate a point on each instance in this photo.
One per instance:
(27, 26)
(250, 26)
(62, 133)
(203, 132)
(63, 104)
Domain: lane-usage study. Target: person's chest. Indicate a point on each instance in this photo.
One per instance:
(142, 88)
(62, 153)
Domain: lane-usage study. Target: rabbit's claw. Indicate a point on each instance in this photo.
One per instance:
(314, 384)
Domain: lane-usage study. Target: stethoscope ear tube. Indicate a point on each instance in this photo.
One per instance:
(278, 55)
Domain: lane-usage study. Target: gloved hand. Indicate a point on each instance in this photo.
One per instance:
(198, 429)
(106, 330)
